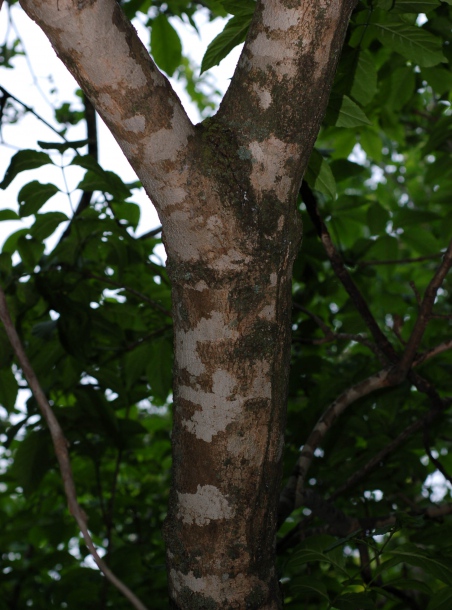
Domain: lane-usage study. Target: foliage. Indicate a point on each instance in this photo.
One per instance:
(93, 312)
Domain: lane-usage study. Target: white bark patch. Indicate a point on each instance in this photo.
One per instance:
(210, 329)
(218, 408)
(166, 144)
(98, 25)
(219, 588)
(281, 18)
(268, 172)
(206, 505)
(264, 97)
(273, 279)
(268, 312)
(269, 53)
(223, 406)
(135, 124)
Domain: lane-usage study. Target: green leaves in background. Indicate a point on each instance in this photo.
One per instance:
(344, 112)
(166, 47)
(33, 196)
(412, 42)
(22, 161)
(319, 175)
(234, 32)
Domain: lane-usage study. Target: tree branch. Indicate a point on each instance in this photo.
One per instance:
(102, 50)
(331, 335)
(423, 317)
(292, 495)
(292, 81)
(61, 450)
(390, 448)
(342, 273)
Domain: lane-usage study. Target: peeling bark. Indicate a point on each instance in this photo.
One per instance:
(226, 195)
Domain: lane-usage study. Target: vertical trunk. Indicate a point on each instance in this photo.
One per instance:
(232, 342)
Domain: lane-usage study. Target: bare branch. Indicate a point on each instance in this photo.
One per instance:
(91, 132)
(390, 448)
(60, 445)
(331, 335)
(432, 352)
(7, 94)
(292, 495)
(342, 273)
(424, 314)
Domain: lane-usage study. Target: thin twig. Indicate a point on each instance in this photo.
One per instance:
(378, 459)
(401, 261)
(425, 311)
(331, 335)
(434, 351)
(31, 111)
(151, 233)
(93, 151)
(61, 450)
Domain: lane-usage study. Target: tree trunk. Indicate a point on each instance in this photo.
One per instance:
(232, 340)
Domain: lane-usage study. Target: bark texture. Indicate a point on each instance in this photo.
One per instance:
(226, 194)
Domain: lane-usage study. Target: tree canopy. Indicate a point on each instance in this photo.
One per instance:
(368, 419)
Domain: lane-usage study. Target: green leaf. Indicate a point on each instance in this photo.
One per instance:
(421, 240)
(240, 7)
(32, 460)
(8, 389)
(309, 585)
(33, 196)
(441, 600)
(8, 215)
(98, 179)
(234, 33)
(384, 248)
(439, 79)
(130, 212)
(46, 224)
(166, 47)
(159, 369)
(377, 218)
(10, 244)
(62, 146)
(371, 143)
(23, 161)
(354, 601)
(364, 84)
(415, 556)
(319, 175)
(30, 251)
(408, 6)
(343, 112)
(411, 42)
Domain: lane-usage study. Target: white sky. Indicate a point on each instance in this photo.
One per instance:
(41, 78)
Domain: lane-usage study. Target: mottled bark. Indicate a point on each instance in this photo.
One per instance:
(226, 195)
